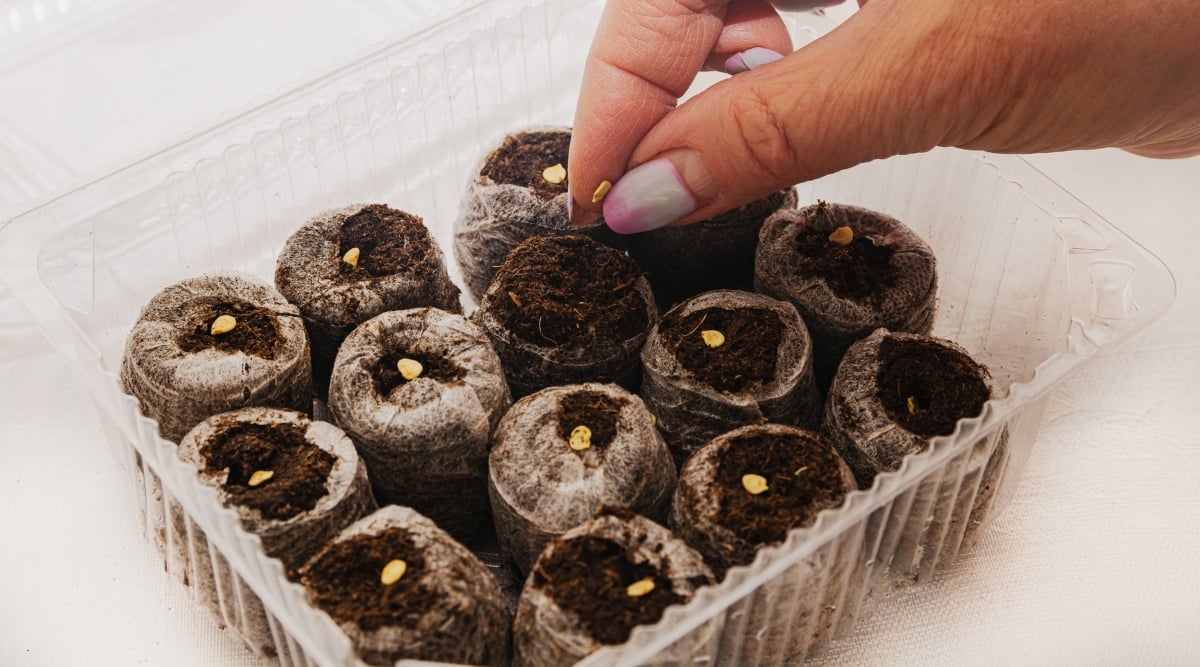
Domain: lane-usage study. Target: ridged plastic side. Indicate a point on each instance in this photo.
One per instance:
(1032, 283)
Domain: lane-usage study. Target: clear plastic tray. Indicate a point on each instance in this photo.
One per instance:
(1033, 283)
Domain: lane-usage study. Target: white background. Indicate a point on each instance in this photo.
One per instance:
(1097, 561)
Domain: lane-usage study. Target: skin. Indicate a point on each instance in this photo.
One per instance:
(898, 77)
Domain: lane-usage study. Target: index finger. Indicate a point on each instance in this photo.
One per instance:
(644, 57)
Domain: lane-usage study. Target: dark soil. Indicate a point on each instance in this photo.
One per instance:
(387, 376)
(301, 468)
(388, 241)
(718, 253)
(521, 158)
(945, 385)
(802, 479)
(748, 357)
(568, 291)
(256, 333)
(345, 581)
(588, 576)
(856, 271)
(592, 409)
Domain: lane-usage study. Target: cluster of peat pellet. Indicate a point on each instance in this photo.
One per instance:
(622, 420)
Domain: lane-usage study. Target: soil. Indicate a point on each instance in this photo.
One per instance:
(592, 409)
(748, 357)
(256, 333)
(521, 158)
(945, 385)
(588, 576)
(718, 253)
(388, 241)
(345, 581)
(856, 271)
(387, 375)
(568, 291)
(802, 476)
(301, 468)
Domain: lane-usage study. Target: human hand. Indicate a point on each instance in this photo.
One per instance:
(900, 76)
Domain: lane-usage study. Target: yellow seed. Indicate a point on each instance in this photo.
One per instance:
(581, 438)
(223, 324)
(260, 476)
(713, 338)
(351, 257)
(913, 406)
(410, 369)
(754, 484)
(842, 236)
(393, 571)
(554, 175)
(601, 191)
(640, 587)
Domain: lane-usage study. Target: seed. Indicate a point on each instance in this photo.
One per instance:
(410, 369)
(260, 476)
(351, 257)
(581, 438)
(754, 484)
(223, 324)
(554, 175)
(601, 191)
(713, 338)
(640, 587)
(913, 406)
(842, 236)
(393, 571)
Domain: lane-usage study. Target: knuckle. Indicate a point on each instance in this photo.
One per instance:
(764, 135)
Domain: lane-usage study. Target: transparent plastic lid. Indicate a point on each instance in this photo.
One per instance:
(90, 85)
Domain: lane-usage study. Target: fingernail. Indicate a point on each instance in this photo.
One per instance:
(749, 59)
(659, 192)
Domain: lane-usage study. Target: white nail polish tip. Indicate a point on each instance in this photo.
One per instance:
(650, 196)
(758, 56)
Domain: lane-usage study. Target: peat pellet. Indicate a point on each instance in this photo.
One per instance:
(212, 344)
(347, 265)
(420, 392)
(896, 391)
(849, 271)
(726, 359)
(746, 490)
(516, 192)
(718, 253)
(294, 482)
(402, 588)
(563, 453)
(749, 487)
(567, 310)
(593, 585)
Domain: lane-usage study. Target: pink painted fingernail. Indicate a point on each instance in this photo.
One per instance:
(650, 196)
(749, 59)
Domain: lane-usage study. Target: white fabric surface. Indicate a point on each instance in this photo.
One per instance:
(1094, 563)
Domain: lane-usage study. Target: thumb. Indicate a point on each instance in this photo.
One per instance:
(881, 84)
